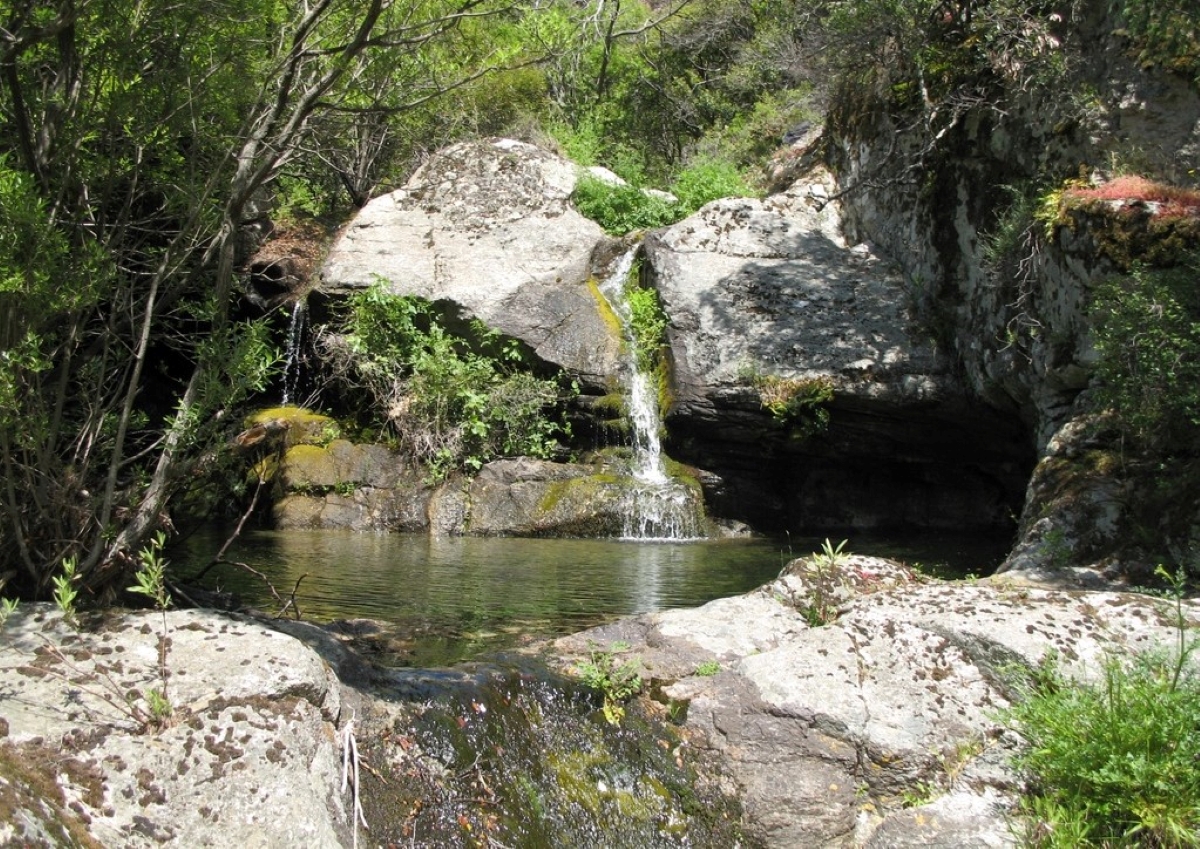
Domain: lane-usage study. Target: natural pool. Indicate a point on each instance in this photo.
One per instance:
(457, 598)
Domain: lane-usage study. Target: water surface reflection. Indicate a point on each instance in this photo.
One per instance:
(462, 596)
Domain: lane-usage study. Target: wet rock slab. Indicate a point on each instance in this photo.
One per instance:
(856, 706)
(249, 757)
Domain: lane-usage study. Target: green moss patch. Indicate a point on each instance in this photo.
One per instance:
(304, 426)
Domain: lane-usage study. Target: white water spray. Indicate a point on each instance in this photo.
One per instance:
(659, 507)
(291, 367)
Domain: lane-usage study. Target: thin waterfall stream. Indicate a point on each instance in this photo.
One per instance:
(659, 507)
(292, 360)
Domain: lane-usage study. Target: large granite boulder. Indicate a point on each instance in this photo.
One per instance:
(351, 486)
(320, 480)
(771, 286)
(525, 497)
(248, 757)
(531, 498)
(488, 229)
(763, 295)
(857, 705)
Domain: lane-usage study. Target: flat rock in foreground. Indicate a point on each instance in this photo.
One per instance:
(857, 706)
(250, 757)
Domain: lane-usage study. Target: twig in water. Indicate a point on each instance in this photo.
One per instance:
(350, 764)
(237, 531)
(291, 602)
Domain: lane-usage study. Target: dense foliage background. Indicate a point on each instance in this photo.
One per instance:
(139, 139)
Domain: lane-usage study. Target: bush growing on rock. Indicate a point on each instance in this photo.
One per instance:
(1113, 763)
(1148, 335)
(622, 209)
(454, 400)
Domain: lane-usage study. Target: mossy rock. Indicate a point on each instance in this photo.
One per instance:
(303, 426)
(545, 499)
(1131, 233)
(588, 506)
(341, 466)
(611, 320)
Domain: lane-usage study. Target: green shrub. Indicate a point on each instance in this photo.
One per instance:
(496, 103)
(1147, 332)
(1114, 763)
(750, 138)
(581, 142)
(617, 683)
(708, 180)
(621, 209)
(798, 404)
(454, 400)
(647, 325)
(1164, 32)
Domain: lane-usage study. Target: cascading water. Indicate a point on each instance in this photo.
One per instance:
(658, 507)
(292, 361)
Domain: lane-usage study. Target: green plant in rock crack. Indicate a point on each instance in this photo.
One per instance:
(921, 793)
(617, 683)
(151, 582)
(830, 556)
(65, 592)
(648, 324)
(822, 573)
(1114, 762)
(8, 606)
(799, 404)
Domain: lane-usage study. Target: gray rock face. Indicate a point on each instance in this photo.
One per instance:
(770, 287)
(1021, 332)
(350, 486)
(528, 497)
(830, 728)
(488, 228)
(249, 759)
(768, 291)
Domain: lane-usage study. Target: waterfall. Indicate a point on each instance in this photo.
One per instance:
(292, 360)
(658, 507)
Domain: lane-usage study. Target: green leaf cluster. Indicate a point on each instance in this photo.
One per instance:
(65, 591)
(645, 89)
(1147, 333)
(151, 574)
(622, 209)
(708, 179)
(456, 399)
(1113, 763)
(1164, 32)
(925, 55)
(616, 682)
(647, 326)
(800, 404)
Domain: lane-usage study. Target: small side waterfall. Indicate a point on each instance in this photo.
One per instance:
(659, 507)
(293, 358)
